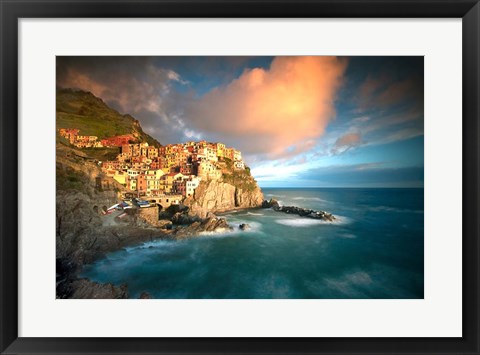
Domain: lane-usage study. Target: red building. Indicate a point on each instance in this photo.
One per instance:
(141, 182)
(116, 141)
(186, 169)
(180, 187)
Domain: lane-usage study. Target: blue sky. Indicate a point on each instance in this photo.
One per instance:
(299, 121)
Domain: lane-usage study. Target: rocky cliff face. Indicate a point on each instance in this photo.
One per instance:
(84, 288)
(219, 196)
(82, 233)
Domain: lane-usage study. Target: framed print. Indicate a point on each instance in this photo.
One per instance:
(257, 177)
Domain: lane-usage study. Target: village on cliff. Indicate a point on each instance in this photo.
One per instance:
(170, 173)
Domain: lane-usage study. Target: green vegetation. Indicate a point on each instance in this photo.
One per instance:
(82, 110)
(241, 179)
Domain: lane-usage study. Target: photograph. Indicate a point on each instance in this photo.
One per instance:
(239, 177)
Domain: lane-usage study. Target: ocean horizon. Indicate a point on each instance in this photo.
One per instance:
(373, 250)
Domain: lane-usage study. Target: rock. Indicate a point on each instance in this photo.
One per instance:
(211, 224)
(216, 225)
(86, 289)
(270, 204)
(211, 215)
(244, 226)
(303, 212)
(180, 218)
(218, 196)
(145, 296)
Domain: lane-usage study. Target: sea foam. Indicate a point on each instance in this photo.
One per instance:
(299, 222)
(308, 222)
(301, 198)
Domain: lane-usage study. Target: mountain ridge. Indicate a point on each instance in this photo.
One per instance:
(80, 109)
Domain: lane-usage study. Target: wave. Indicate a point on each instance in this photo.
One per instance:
(255, 227)
(223, 232)
(255, 214)
(274, 195)
(308, 222)
(301, 198)
(299, 222)
(150, 245)
(342, 220)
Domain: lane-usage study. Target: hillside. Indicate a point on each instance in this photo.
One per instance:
(88, 113)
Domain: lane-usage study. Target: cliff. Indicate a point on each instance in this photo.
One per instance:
(83, 234)
(220, 196)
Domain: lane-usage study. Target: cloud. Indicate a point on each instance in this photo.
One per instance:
(391, 103)
(269, 111)
(133, 85)
(372, 84)
(398, 92)
(346, 142)
(400, 134)
(384, 91)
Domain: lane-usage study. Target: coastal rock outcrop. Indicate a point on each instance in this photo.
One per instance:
(303, 212)
(82, 235)
(270, 204)
(244, 227)
(83, 232)
(218, 196)
(145, 296)
(210, 224)
(183, 218)
(84, 288)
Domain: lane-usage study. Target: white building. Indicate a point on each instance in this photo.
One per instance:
(191, 185)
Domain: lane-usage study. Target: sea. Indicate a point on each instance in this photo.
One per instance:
(374, 250)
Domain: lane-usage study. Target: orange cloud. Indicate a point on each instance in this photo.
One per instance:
(270, 111)
(346, 142)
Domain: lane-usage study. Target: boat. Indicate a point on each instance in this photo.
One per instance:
(142, 203)
(112, 207)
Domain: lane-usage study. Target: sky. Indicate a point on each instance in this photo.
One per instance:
(300, 121)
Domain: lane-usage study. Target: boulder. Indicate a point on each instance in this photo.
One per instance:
(211, 224)
(244, 226)
(180, 218)
(270, 204)
(303, 212)
(145, 296)
(84, 288)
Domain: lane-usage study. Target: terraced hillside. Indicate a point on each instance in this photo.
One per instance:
(83, 110)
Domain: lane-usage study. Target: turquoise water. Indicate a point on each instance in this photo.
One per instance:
(375, 250)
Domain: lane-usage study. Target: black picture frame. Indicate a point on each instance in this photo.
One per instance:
(12, 11)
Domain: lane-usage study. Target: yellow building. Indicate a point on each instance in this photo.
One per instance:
(120, 177)
(229, 153)
(152, 152)
(237, 155)
(220, 147)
